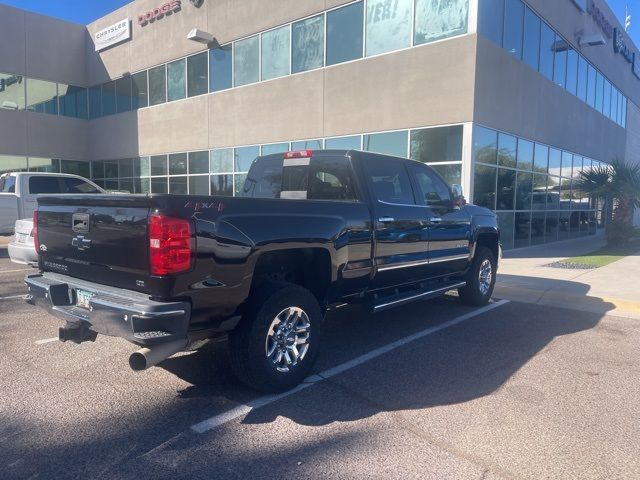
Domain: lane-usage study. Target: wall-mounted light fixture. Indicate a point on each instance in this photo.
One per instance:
(201, 36)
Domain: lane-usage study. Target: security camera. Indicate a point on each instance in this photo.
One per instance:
(200, 36)
(591, 40)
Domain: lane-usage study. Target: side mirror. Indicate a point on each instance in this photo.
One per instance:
(458, 196)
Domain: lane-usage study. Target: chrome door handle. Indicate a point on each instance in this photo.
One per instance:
(435, 219)
(386, 219)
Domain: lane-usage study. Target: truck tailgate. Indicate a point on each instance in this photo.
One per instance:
(99, 238)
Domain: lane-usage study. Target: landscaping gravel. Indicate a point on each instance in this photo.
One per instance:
(571, 265)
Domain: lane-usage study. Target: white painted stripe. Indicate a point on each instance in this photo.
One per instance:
(15, 271)
(13, 297)
(242, 410)
(46, 340)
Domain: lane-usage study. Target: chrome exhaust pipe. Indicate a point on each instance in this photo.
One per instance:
(148, 357)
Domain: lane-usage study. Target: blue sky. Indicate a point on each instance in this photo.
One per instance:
(86, 11)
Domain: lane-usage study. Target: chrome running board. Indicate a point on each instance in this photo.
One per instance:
(397, 300)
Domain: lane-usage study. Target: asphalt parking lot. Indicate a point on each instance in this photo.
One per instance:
(429, 390)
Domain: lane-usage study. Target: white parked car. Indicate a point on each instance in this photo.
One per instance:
(18, 200)
(18, 193)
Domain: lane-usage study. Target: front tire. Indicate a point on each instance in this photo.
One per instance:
(481, 279)
(276, 343)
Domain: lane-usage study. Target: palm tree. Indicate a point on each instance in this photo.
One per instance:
(617, 183)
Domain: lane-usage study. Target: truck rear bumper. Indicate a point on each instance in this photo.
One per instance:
(23, 253)
(111, 311)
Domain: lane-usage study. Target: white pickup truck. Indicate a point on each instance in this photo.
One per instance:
(18, 193)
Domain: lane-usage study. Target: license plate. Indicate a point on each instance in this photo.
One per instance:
(22, 237)
(82, 298)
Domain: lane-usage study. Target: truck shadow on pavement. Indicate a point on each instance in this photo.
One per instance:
(457, 364)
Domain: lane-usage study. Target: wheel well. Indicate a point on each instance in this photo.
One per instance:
(489, 240)
(308, 267)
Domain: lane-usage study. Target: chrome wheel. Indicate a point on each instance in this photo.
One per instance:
(288, 338)
(485, 277)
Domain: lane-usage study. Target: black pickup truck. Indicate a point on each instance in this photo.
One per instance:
(309, 229)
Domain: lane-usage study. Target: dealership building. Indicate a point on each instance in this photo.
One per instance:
(511, 99)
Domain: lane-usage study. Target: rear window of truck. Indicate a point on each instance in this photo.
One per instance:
(8, 184)
(324, 178)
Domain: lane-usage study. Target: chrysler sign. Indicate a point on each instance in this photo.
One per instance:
(116, 33)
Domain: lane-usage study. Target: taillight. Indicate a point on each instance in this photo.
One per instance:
(169, 245)
(34, 231)
(299, 154)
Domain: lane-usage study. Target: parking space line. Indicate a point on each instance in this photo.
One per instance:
(13, 297)
(260, 402)
(15, 271)
(46, 340)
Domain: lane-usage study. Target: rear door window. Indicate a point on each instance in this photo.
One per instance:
(8, 184)
(77, 185)
(389, 180)
(41, 184)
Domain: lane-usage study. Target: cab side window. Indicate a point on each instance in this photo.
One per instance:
(431, 189)
(330, 179)
(76, 185)
(41, 184)
(389, 180)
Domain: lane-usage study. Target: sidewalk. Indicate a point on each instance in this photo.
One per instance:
(5, 239)
(613, 289)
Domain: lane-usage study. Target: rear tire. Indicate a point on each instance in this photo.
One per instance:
(276, 343)
(481, 279)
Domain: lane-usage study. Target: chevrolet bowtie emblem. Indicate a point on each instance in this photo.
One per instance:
(81, 243)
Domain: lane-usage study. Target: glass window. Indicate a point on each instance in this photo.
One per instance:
(199, 185)
(531, 45)
(222, 185)
(197, 80)
(388, 25)
(513, 21)
(221, 160)
(307, 145)
(505, 224)
(614, 103)
(507, 146)
(126, 167)
(344, 33)
(539, 196)
(547, 50)
(582, 78)
(330, 179)
(12, 92)
(485, 145)
(76, 185)
(275, 53)
(623, 120)
(95, 102)
(307, 44)
(10, 163)
(432, 191)
(343, 143)
(522, 229)
(109, 98)
(145, 168)
(577, 166)
(524, 189)
(178, 164)
(246, 61)
(157, 85)
(560, 65)
(389, 180)
(176, 86)
(75, 167)
(139, 94)
(541, 158)
(619, 117)
(72, 101)
(274, 148)
(198, 162)
(555, 161)
(178, 185)
(158, 165)
(452, 173)
(442, 144)
(159, 185)
(111, 169)
(525, 154)
(567, 162)
(606, 101)
(123, 94)
(490, 19)
(506, 189)
(97, 169)
(239, 180)
(42, 165)
(44, 184)
(244, 157)
(267, 182)
(599, 91)
(392, 143)
(220, 66)
(591, 85)
(42, 96)
(484, 186)
(436, 20)
(572, 71)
